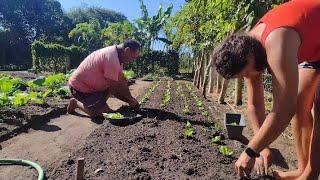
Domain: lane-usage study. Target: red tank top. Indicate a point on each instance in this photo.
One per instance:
(304, 17)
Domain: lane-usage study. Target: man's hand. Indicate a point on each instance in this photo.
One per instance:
(244, 165)
(134, 103)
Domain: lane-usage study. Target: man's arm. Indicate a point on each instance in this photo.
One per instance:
(282, 47)
(121, 91)
(255, 104)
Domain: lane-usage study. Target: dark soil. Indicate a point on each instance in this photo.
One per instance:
(155, 147)
(17, 120)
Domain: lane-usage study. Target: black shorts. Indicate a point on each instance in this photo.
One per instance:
(95, 101)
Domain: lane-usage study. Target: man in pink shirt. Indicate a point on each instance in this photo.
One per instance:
(99, 76)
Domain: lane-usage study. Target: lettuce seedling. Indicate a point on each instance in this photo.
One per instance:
(186, 110)
(116, 115)
(188, 133)
(205, 113)
(216, 127)
(188, 125)
(129, 74)
(234, 124)
(226, 151)
(216, 139)
(4, 100)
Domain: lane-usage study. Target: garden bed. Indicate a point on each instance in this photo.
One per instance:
(161, 145)
(24, 105)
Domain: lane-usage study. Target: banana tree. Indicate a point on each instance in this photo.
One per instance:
(150, 27)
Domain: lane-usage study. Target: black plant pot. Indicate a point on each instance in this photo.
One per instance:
(234, 123)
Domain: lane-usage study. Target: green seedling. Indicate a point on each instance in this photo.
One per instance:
(216, 139)
(64, 90)
(116, 115)
(205, 113)
(226, 151)
(166, 98)
(20, 99)
(129, 74)
(4, 100)
(216, 127)
(188, 125)
(234, 124)
(186, 110)
(188, 133)
(199, 103)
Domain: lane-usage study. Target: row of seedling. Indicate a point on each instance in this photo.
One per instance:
(186, 109)
(199, 102)
(217, 139)
(167, 95)
(148, 94)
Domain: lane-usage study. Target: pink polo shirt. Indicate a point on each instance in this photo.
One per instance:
(97, 71)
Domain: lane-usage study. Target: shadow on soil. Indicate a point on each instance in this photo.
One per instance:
(163, 115)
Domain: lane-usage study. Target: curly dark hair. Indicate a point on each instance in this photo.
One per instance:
(230, 57)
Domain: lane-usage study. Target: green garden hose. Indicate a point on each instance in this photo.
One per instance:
(24, 162)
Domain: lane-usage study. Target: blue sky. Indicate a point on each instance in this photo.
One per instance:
(129, 8)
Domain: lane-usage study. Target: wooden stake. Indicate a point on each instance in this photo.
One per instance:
(80, 169)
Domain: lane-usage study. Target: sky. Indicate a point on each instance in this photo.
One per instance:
(130, 8)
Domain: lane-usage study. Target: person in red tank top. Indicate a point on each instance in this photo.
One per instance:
(286, 41)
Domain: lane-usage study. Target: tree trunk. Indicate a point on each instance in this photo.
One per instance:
(206, 75)
(196, 71)
(238, 92)
(211, 80)
(223, 92)
(219, 82)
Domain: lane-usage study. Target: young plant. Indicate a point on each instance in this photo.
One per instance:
(116, 115)
(4, 100)
(146, 97)
(188, 125)
(186, 110)
(234, 124)
(36, 98)
(55, 80)
(205, 113)
(129, 74)
(188, 133)
(189, 87)
(20, 99)
(63, 91)
(200, 105)
(216, 139)
(216, 127)
(226, 151)
(166, 98)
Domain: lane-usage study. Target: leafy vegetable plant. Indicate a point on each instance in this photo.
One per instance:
(216, 139)
(189, 133)
(226, 151)
(116, 115)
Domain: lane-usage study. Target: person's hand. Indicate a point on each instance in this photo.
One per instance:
(262, 163)
(134, 103)
(259, 166)
(244, 165)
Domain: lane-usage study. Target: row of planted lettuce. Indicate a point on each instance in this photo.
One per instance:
(16, 92)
